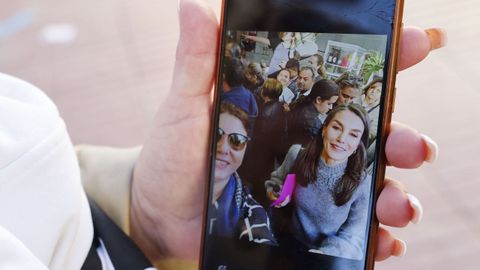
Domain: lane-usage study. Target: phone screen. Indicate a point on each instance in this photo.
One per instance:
(299, 107)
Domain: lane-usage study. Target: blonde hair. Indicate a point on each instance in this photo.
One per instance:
(272, 89)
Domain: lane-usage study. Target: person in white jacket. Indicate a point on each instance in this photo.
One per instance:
(44, 212)
(46, 221)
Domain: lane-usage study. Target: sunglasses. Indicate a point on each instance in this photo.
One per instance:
(236, 141)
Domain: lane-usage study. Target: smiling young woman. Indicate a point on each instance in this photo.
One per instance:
(331, 196)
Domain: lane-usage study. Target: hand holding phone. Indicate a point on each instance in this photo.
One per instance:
(283, 193)
(274, 193)
(188, 82)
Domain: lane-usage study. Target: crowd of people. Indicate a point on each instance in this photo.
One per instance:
(295, 120)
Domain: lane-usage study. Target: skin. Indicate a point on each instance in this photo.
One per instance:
(251, 78)
(373, 93)
(263, 40)
(305, 80)
(170, 227)
(227, 159)
(341, 137)
(324, 106)
(313, 61)
(348, 95)
(284, 77)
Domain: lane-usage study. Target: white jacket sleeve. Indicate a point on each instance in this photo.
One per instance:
(42, 202)
(15, 255)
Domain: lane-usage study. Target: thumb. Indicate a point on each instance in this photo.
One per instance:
(196, 51)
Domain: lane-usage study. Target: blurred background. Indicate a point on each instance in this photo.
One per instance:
(108, 64)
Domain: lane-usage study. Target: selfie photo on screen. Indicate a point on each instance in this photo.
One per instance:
(295, 140)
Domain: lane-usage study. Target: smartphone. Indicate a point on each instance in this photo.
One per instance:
(303, 102)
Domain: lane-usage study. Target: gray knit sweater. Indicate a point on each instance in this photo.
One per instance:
(317, 222)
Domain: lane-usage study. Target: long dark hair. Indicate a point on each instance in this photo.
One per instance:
(305, 166)
(325, 89)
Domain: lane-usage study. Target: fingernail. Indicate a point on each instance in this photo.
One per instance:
(432, 149)
(417, 209)
(438, 38)
(400, 248)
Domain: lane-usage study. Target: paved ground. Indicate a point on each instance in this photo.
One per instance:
(109, 80)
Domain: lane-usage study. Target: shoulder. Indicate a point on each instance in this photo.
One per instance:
(37, 159)
(280, 48)
(273, 108)
(374, 111)
(279, 109)
(25, 93)
(299, 106)
(310, 110)
(242, 91)
(28, 118)
(268, 109)
(293, 152)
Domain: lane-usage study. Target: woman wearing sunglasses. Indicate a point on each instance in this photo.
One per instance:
(331, 196)
(237, 215)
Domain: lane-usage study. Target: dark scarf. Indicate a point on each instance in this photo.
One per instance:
(228, 209)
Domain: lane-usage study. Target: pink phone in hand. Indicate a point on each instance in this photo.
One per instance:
(287, 192)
